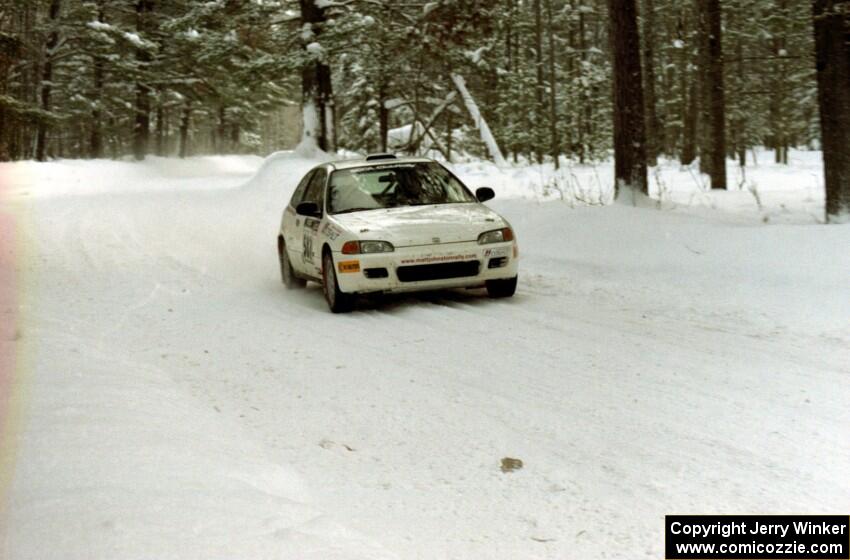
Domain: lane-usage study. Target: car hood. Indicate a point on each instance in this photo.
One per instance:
(407, 226)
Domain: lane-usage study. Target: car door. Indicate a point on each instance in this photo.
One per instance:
(292, 222)
(311, 257)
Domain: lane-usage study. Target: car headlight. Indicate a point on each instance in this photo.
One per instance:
(376, 247)
(363, 247)
(496, 236)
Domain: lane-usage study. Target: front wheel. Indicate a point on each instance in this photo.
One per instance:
(338, 301)
(501, 288)
(287, 273)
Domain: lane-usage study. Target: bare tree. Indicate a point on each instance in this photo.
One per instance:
(832, 46)
(629, 132)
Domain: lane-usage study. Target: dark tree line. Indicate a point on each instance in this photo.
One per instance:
(831, 24)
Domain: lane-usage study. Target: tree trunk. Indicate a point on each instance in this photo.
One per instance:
(713, 110)
(653, 136)
(219, 144)
(739, 137)
(96, 137)
(481, 124)
(629, 133)
(449, 131)
(586, 112)
(553, 107)
(160, 126)
(703, 100)
(832, 46)
(669, 128)
(539, 86)
(141, 127)
(509, 10)
(10, 52)
(778, 85)
(718, 101)
(234, 137)
(689, 130)
(46, 78)
(316, 90)
(383, 117)
(185, 121)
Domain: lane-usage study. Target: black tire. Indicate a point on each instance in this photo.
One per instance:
(501, 288)
(287, 273)
(338, 301)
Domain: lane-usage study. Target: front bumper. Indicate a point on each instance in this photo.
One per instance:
(424, 267)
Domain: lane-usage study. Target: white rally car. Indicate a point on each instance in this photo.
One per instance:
(390, 224)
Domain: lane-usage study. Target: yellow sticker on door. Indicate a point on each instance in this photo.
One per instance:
(349, 266)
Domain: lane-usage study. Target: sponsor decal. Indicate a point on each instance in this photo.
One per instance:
(311, 224)
(331, 231)
(439, 259)
(498, 252)
(307, 249)
(311, 227)
(346, 267)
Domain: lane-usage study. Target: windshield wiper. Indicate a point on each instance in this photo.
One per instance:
(357, 209)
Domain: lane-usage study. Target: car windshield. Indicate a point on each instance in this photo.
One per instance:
(391, 186)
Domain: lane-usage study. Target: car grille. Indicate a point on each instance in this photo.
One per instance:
(441, 271)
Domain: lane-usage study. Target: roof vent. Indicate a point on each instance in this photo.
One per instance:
(374, 157)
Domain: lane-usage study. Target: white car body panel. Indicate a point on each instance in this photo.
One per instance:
(408, 226)
(420, 235)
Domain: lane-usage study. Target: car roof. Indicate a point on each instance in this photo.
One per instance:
(363, 162)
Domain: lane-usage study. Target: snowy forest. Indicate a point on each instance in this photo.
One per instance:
(108, 78)
(599, 280)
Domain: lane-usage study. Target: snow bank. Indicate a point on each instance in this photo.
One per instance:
(763, 192)
(281, 170)
(88, 177)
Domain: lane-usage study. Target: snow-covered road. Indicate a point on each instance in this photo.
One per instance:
(179, 403)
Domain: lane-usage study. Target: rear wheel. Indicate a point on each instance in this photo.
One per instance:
(338, 301)
(287, 273)
(501, 288)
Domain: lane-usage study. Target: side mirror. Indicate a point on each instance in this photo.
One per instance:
(484, 194)
(310, 209)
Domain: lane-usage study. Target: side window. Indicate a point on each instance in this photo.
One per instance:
(298, 195)
(316, 190)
